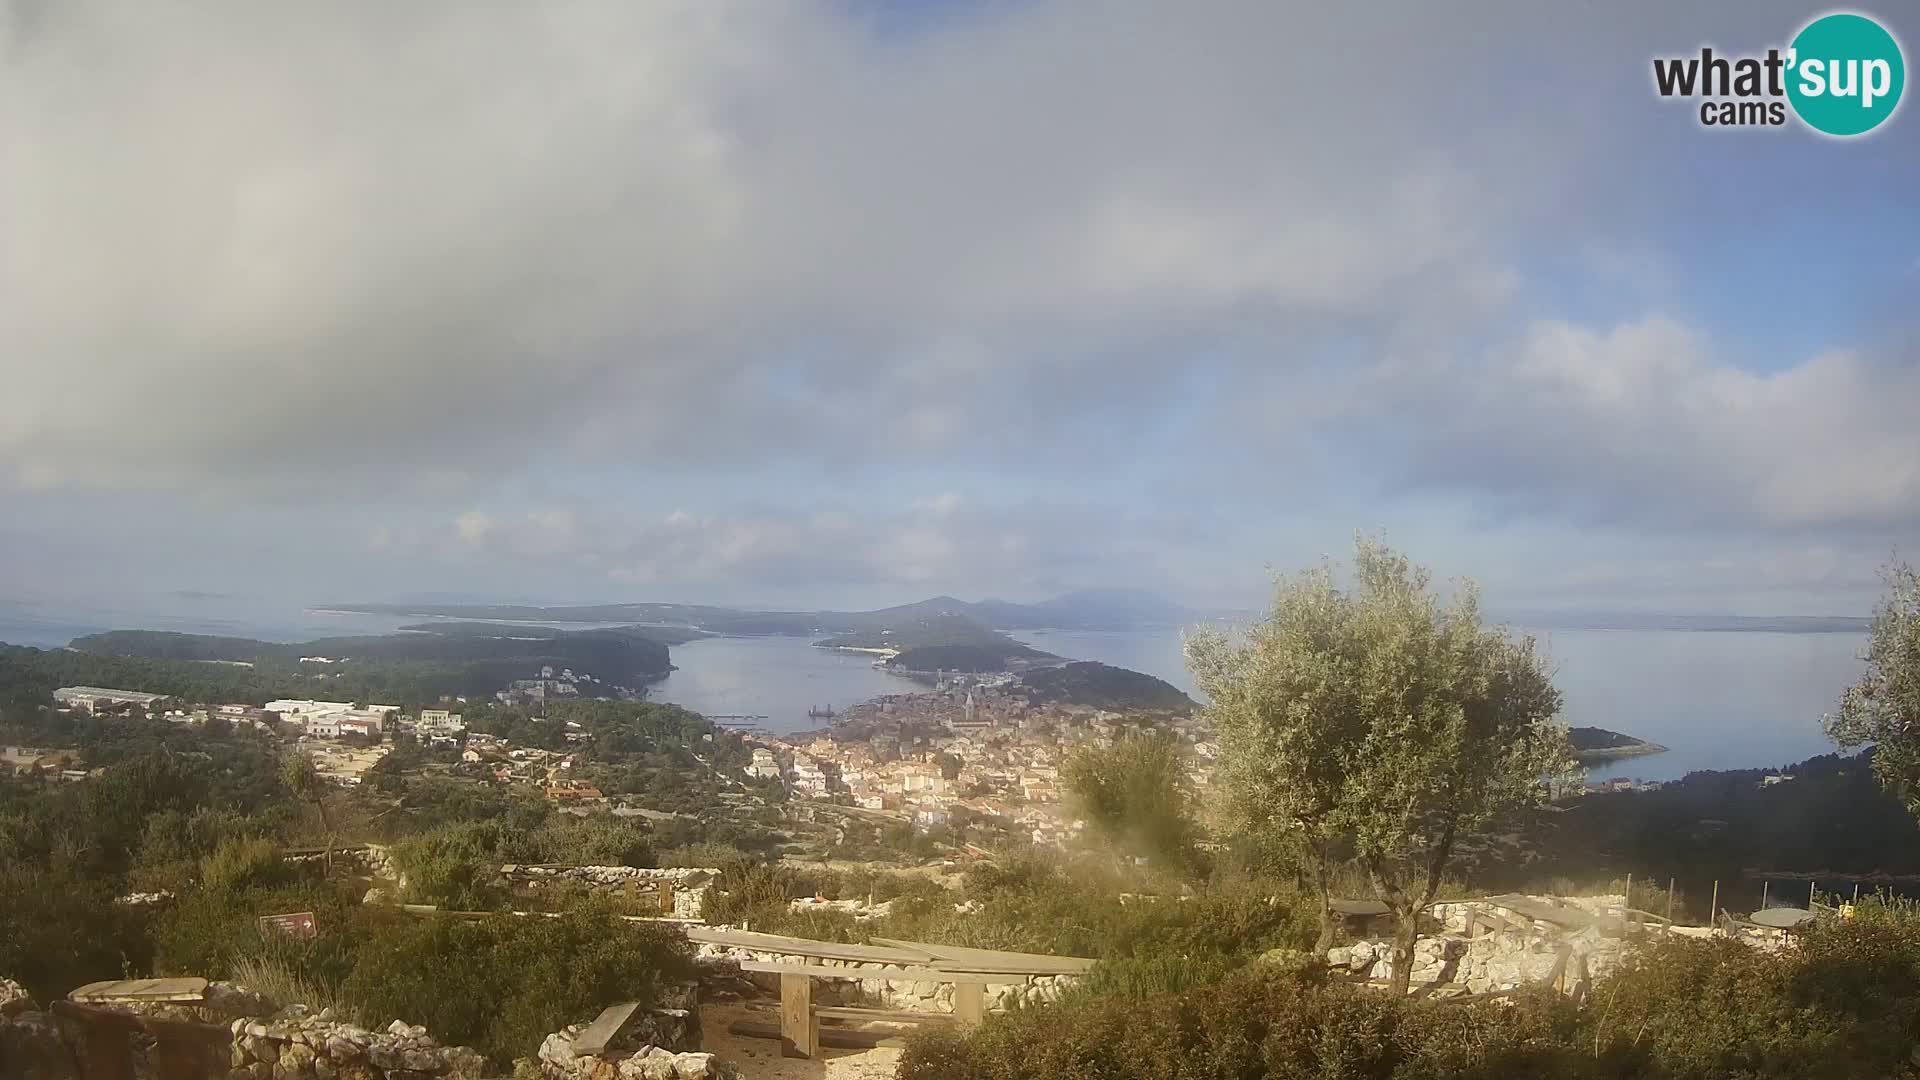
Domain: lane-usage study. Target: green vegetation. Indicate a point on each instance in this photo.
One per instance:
(1136, 795)
(414, 667)
(1883, 708)
(517, 979)
(1598, 743)
(665, 635)
(1039, 903)
(1103, 686)
(1381, 719)
(1831, 820)
(940, 643)
(1844, 1005)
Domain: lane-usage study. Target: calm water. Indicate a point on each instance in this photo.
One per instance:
(776, 677)
(1718, 700)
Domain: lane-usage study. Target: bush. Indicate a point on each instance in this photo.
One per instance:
(242, 863)
(59, 930)
(1845, 1003)
(1251, 1025)
(502, 984)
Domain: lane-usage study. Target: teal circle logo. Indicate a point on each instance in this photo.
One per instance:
(1845, 74)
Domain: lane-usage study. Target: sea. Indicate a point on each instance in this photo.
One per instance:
(1717, 699)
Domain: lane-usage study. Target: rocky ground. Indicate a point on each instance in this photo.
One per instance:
(759, 1059)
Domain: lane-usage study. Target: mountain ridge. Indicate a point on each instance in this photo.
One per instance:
(1085, 609)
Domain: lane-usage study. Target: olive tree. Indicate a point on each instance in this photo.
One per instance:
(1380, 717)
(1136, 795)
(1883, 708)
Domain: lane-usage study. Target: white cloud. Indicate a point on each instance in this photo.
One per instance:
(1647, 422)
(399, 244)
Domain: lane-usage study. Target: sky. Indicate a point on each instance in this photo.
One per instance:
(842, 303)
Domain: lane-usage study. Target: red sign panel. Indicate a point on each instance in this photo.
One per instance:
(299, 924)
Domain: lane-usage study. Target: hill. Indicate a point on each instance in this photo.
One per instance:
(1103, 686)
(665, 635)
(1599, 744)
(942, 642)
(405, 665)
(1090, 609)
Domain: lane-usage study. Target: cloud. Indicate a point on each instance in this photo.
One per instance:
(930, 545)
(399, 248)
(1648, 423)
(596, 295)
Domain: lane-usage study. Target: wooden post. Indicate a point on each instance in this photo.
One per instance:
(799, 1030)
(1713, 909)
(1626, 909)
(1670, 901)
(1812, 887)
(666, 896)
(969, 1003)
(1763, 894)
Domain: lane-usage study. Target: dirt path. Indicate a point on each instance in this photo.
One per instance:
(759, 1059)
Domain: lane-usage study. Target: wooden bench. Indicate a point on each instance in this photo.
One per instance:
(968, 971)
(800, 1019)
(889, 1016)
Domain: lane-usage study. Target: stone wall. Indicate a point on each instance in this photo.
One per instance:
(1504, 953)
(690, 884)
(288, 1044)
(298, 1045)
(867, 982)
(372, 860)
(626, 1062)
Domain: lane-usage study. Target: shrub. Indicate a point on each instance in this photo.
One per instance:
(502, 984)
(59, 930)
(1845, 1003)
(1250, 1025)
(1839, 1005)
(241, 863)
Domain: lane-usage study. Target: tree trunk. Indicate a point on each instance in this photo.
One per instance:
(1406, 931)
(326, 832)
(1323, 885)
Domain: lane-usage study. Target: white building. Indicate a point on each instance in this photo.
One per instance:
(439, 722)
(376, 719)
(307, 709)
(323, 727)
(808, 778)
(92, 697)
(764, 765)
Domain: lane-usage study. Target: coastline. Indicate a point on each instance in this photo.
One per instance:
(1605, 754)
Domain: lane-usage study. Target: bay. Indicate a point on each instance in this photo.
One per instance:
(1715, 699)
(780, 678)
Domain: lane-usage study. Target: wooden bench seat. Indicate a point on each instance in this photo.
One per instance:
(891, 1016)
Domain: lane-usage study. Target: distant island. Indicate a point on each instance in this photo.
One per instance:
(423, 662)
(1593, 744)
(942, 643)
(1086, 609)
(1103, 686)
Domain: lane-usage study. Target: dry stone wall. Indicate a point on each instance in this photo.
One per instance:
(1505, 952)
(868, 983)
(690, 884)
(294, 1043)
(297, 1045)
(558, 1061)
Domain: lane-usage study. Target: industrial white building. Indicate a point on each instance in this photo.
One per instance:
(92, 697)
